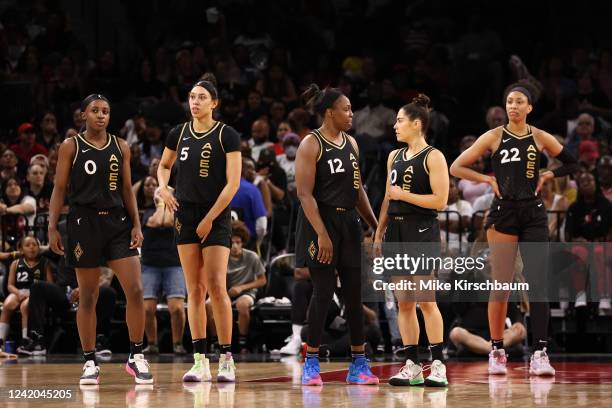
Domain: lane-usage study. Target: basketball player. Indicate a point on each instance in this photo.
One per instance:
(208, 176)
(517, 213)
(329, 234)
(418, 185)
(29, 268)
(103, 228)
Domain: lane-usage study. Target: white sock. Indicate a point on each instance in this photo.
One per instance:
(297, 330)
(24, 333)
(4, 328)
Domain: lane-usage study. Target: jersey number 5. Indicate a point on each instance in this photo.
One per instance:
(504, 153)
(184, 153)
(338, 163)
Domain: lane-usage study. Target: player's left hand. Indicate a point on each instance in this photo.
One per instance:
(204, 228)
(544, 177)
(395, 193)
(137, 238)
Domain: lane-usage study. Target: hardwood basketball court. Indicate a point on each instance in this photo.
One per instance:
(275, 383)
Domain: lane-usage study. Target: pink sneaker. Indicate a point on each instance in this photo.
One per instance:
(539, 364)
(497, 362)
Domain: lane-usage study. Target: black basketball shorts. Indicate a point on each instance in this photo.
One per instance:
(96, 236)
(415, 235)
(187, 218)
(525, 218)
(344, 228)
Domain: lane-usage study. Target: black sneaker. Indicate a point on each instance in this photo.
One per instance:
(138, 367)
(34, 346)
(102, 347)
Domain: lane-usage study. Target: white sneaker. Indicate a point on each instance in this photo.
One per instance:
(138, 367)
(409, 374)
(604, 304)
(200, 371)
(539, 364)
(91, 374)
(581, 299)
(293, 346)
(437, 375)
(227, 369)
(497, 362)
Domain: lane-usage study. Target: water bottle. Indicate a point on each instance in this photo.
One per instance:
(9, 347)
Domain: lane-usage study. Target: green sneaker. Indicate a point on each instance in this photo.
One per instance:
(409, 374)
(437, 375)
(200, 371)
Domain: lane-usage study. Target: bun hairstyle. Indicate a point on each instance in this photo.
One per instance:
(208, 82)
(419, 109)
(93, 97)
(319, 100)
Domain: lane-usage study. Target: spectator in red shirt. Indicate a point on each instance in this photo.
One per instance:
(27, 145)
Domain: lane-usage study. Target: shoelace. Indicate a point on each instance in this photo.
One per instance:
(412, 369)
(311, 369)
(226, 365)
(407, 371)
(544, 358)
(438, 370)
(500, 358)
(362, 365)
(89, 370)
(142, 365)
(197, 365)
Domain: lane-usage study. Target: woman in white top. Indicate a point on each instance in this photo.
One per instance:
(556, 204)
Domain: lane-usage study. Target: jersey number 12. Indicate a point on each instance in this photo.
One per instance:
(338, 163)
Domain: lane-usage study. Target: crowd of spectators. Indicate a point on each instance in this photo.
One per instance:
(262, 62)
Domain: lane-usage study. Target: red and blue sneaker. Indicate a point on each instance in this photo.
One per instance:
(311, 372)
(360, 373)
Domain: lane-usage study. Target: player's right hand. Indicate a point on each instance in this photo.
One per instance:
(494, 186)
(55, 241)
(326, 249)
(165, 193)
(377, 248)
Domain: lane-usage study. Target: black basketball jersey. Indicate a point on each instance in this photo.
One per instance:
(201, 162)
(96, 177)
(337, 178)
(516, 164)
(25, 275)
(412, 175)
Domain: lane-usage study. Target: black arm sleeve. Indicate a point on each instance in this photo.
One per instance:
(570, 165)
(173, 137)
(230, 139)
